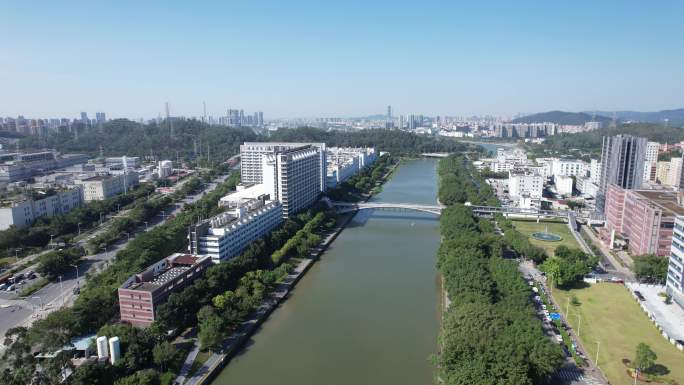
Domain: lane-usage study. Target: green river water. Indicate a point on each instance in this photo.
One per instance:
(368, 311)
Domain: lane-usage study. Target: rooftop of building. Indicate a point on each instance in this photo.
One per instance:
(151, 279)
(666, 200)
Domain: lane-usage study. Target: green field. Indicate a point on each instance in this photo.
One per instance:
(609, 314)
(529, 227)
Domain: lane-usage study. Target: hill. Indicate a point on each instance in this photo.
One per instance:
(562, 117)
(673, 117)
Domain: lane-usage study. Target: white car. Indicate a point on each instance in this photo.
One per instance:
(10, 288)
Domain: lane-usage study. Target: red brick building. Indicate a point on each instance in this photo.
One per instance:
(645, 218)
(143, 292)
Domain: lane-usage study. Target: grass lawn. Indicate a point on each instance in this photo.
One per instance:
(529, 227)
(610, 315)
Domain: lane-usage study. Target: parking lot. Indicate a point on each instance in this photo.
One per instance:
(670, 317)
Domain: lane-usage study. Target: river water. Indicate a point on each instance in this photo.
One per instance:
(368, 311)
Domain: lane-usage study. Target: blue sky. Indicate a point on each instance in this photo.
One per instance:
(339, 58)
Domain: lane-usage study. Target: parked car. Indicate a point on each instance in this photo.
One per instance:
(3, 286)
(639, 295)
(10, 287)
(616, 280)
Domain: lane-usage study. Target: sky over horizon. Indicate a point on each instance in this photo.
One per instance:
(352, 58)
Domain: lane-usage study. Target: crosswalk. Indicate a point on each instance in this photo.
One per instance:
(576, 376)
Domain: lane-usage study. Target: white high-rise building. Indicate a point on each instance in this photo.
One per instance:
(293, 177)
(595, 171)
(675, 270)
(253, 153)
(652, 152)
(675, 172)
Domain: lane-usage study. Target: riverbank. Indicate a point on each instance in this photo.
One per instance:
(236, 342)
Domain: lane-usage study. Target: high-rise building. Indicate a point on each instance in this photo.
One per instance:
(652, 152)
(675, 270)
(252, 154)
(401, 122)
(261, 118)
(622, 163)
(100, 117)
(242, 118)
(293, 177)
(84, 118)
(412, 122)
(389, 112)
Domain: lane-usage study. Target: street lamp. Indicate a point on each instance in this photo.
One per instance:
(61, 289)
(146, 227)
(128, 237)
(51, 244)
(76, 266)
(79, 228)
(579, 324)
(16, 255)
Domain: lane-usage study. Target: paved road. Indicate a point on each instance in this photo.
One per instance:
(16, 311)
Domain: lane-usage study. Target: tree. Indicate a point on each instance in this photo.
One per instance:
(645, 357)
(163, 353)
(211, 333)
(650, 268)
(143, 377)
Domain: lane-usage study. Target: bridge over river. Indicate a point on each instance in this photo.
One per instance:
(345, 207)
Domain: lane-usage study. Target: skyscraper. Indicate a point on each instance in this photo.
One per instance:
(401, 122)
(100, 117)
(622, 163)
(389, 112)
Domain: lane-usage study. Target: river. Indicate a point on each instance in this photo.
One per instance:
(368, 311)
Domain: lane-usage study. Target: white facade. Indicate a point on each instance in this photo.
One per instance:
(522, 183)
(675, 172)
(253, 153)
(563, 184)
(568, 167)
(228, 234)
(586, 187)
(24, 213)
(675, 270)
(595, 171)
(652, 152)
(650, 171)
(293, 177)
(106, 186)
(125, 161)
(343, 163)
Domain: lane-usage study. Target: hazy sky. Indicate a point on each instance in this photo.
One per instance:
(338, 58)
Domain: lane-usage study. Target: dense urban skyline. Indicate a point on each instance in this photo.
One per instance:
(345, 59)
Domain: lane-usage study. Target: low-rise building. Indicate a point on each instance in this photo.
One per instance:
(26, 209)
(142, 293)
(124, 161)
(229, 233)
(102, 187)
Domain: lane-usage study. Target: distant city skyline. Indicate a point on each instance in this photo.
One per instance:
(305, 59)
